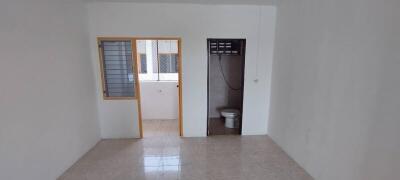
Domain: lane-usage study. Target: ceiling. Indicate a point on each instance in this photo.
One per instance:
(250, 2)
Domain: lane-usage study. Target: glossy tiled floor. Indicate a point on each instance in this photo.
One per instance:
(165, 156)
(160, 128)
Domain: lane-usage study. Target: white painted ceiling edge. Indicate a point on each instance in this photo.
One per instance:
(239, 2)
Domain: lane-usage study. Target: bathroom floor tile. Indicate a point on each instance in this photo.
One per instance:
(217, 127)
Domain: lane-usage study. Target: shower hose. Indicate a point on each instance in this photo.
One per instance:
(224, 77)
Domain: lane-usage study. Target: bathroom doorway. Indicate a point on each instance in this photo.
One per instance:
(226, 61)
(159, 71)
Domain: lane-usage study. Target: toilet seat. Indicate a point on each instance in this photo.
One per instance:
(230, 112)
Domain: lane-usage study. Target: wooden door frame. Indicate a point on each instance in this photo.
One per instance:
(136, 62)
(180, 105)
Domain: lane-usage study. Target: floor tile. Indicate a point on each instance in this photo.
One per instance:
(163, 155)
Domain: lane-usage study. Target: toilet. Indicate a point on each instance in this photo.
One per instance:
(230, 117)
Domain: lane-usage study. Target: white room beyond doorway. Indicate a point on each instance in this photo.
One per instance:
(158, 75)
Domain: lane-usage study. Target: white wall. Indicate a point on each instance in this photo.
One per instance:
(195, 23)
(335, 97)
(159, 99)
(212, 2)
(47, 103)
(118, 119)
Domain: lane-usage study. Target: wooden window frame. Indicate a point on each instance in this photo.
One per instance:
(134, 67)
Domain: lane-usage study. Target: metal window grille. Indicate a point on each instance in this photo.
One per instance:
(118, 74)
(158, 59)
(168, 63)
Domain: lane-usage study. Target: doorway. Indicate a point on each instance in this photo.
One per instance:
(159, 70)
(226, 61)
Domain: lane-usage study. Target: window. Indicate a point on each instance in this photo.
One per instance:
(158, 60)
(118, 76)
(143, 64)
(168, 63)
